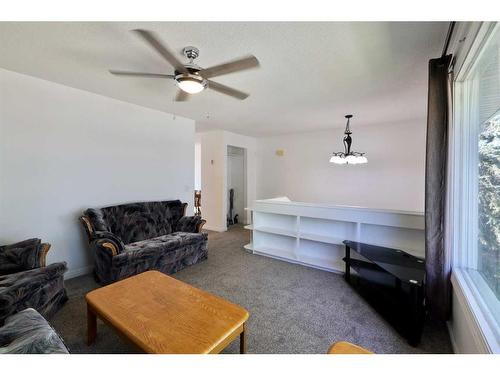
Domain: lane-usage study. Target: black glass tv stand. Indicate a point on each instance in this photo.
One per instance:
(392, 281)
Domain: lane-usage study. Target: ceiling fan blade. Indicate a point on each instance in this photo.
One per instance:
(223, 89)
(244, 63)
(182, 96)
(140, 74)
(154, 42)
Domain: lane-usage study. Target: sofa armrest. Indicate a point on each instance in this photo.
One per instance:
(34, 276)
(19, 290)
(106, 247)
(108, 242)
(192, 224)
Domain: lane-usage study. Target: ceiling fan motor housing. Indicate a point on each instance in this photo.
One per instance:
(191, 52)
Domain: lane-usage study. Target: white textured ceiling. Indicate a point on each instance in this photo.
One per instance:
(311, 74)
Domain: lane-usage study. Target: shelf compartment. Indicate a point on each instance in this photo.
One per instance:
(323, 263)
(371, 272)
(280, 231)
(274, 244)
(325, 230)
(321, 238)
(263, 250)
(320, 254)
(320, 249)
(275, 253)
(277, 221)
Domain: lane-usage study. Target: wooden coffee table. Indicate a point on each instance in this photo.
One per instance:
(160, 314)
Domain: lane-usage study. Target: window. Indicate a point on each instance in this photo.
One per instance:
(488, 260)
(476, 174)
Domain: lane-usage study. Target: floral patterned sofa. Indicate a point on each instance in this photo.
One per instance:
(26, 281)
(132, 238)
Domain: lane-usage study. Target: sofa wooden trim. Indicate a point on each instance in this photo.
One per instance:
(88, 226)
(200, 225)
(43, 254)
(111, 247)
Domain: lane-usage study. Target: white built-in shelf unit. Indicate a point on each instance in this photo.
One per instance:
(312, 234)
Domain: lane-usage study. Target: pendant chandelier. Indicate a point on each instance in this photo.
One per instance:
(348, 156)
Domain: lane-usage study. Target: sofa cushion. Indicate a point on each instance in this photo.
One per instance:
(27, 332)
(135, 222)
(28, 242)
(168, 242)
(7, 267)
(20, 256)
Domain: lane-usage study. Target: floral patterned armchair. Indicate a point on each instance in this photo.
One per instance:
(26, 281)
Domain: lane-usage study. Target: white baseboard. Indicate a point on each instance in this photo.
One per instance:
(215, 229)
(78, 272)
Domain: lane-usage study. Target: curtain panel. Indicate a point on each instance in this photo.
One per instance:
(437, 261)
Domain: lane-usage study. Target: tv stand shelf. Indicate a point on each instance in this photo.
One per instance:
(392, 281)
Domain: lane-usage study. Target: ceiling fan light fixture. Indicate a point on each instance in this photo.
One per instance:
(190, 83)
(190, 77)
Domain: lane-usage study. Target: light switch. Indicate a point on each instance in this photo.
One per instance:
(280, 152)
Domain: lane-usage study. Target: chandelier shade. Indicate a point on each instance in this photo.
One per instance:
(348, 156)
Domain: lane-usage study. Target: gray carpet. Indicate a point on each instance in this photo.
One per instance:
(293, 309)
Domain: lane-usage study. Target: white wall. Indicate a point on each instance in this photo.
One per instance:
(214, 174)
(392, 179)
(197, 165)
(63, 150)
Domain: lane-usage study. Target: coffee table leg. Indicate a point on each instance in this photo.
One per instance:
(91, 326)
(243, 344)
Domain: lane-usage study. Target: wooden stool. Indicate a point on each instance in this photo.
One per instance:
(344, 347)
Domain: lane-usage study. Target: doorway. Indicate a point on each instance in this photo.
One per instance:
(236, 186)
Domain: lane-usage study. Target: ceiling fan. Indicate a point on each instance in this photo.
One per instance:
(189, 77)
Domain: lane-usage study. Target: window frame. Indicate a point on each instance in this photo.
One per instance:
(463, 196)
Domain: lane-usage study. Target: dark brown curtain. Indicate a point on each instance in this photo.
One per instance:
(437, 261)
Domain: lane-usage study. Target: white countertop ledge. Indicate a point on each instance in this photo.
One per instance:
(284, 201)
